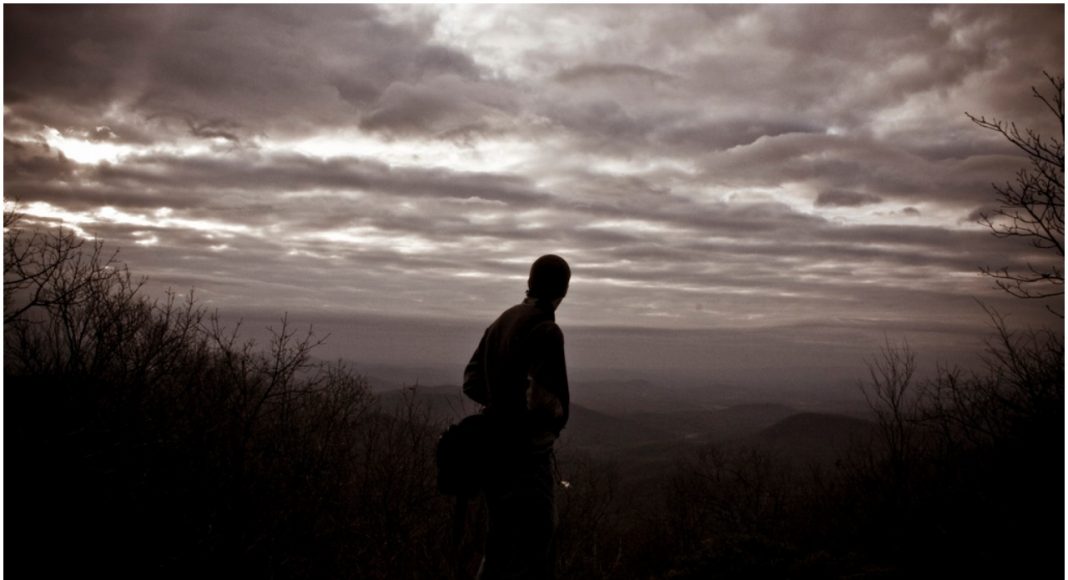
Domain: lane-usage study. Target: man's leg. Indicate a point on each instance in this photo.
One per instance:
(522, 521)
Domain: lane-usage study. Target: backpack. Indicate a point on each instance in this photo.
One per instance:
(462, 456)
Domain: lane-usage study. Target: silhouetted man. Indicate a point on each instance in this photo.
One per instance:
(518, 373)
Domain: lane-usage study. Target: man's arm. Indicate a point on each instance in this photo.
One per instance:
(548, 394)
(474, 376)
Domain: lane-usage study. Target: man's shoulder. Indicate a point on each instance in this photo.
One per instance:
(547, 330)
(509, 315)
(527, 311)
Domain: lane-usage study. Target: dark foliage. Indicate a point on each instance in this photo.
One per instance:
(143, 439)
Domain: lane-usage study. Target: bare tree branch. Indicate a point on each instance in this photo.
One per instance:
(1032, 207)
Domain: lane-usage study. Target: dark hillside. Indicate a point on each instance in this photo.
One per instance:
(711, 426)
(806, 437)
(442, 404)
(587, 430)
(597, 432)
(623, 397)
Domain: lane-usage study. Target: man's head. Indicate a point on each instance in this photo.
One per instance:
(549, 277)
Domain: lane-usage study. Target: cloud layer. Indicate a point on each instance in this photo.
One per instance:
(702, 167)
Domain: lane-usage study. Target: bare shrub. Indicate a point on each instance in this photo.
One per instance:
(589, 541)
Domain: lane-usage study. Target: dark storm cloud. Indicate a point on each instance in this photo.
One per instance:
(802, 168)
(204, 179)
(88, 198)
(786, 263)
(609, 71)
(827, 162)
(728, 133)
(233, 71)
(215, 128)
(709, 219)
(440, 108)
(35, 162)
(873, 57)
(766, 264)
(838, 198)
(73, 54)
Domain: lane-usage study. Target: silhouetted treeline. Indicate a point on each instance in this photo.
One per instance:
(144, 439)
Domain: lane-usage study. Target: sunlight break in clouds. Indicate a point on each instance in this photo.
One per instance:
(85, 151)
(482, 155)
(161, 218)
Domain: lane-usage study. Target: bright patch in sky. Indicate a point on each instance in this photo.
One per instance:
(161, 218)
(490, 155)
(634, 225)
(146, 241)
(84, 151)
(642, 166)
(373, 238)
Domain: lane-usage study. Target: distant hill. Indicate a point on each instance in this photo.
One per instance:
(628, 397)
(444, 404)
(620, 398)
(821, 437)
(647, 437)
(587, 429)
(713, 426)
(592, 430)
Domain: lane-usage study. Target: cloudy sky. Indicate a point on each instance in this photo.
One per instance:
(730, 183)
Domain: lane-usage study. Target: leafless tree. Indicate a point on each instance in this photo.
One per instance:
(237, 456)
(1032, 206)
(44, 268)
(891, 396)
(1023, 381)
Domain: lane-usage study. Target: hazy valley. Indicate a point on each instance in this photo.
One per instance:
(635, 422)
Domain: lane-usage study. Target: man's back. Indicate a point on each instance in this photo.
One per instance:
(518, 370)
